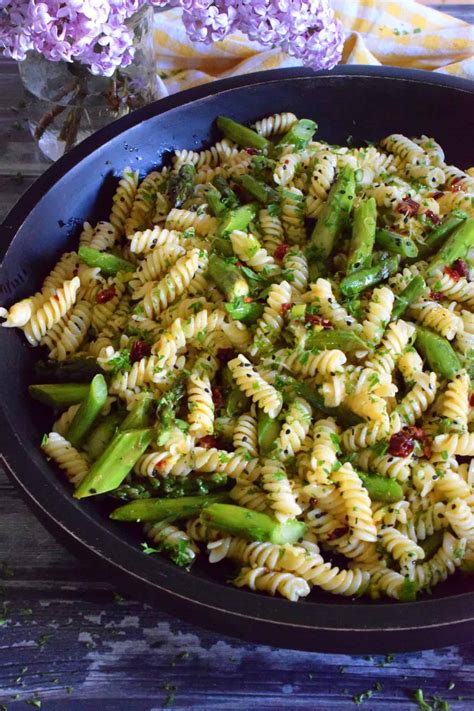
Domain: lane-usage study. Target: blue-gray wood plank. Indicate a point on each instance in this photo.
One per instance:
(68, 641)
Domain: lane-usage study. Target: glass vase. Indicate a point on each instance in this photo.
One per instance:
(65, 103)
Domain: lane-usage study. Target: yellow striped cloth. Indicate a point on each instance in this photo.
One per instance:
(403, 33)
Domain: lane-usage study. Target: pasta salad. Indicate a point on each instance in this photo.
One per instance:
(265, 354)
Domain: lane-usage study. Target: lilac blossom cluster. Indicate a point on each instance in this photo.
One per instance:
(95, 33)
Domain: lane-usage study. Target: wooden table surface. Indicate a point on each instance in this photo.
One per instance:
(69, 641)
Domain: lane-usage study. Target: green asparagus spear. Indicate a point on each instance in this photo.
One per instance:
(114, 464)
(268, 430)
(215, 203)
(248, 313)
(139, 416)
(252, 525)
(363, 236)
(345, 341)
(237, 219)
(222, 246)
(170, 487)
(299, 135)
(293, 387)
(221, 184)
(437, 235)
(181, 186)
(227, 278)
(395, 243)
(263, 193)
(438, 352)
(107, 263)
(236, 403)
(59, 395)
(102, 434)
(410, 293)
(431, 544)
(365, 278)
(88, 411)
(76, 370)
(408, 591)
(144, 510)
(334, 214)
(456, 247)
(381, 488)
(242, 135)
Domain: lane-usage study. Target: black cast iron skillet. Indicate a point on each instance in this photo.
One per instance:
(365, 103)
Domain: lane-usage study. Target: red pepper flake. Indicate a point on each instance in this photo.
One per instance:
(239, 264)
(456, 185)
(408, 207)
(452, 273)
(401, 444)
(105, 295)
(280, 251)
(139, 350)
(318, 321)
(337, 533)
(284, 308)
(217, 398)
(209, 441)
(253, 151)
(161, 464)
(461, 268)
(432, 217)
(437, 194)
(436, 295)
(224, 355)
(248, 299)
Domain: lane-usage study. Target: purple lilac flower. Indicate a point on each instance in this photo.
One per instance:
(94, 32)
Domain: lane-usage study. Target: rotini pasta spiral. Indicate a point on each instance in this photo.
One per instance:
(286, 584)
(73, 463)
(254, 386)
(52, 311)
(123, 199)
(294, 429)
(292, 215)
(356, 499)
(278, 123)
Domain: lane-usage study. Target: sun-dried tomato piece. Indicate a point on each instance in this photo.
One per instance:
(461, 268)
(436, 295)
(217, 398)
(318, 321)
(435, 219)
(452, 273)
(209, 441)
(253, 151)
(408, 207)
(401, 444)
(420, 435)
(139, 350)
(105, 295)
(281, 251)
(284, 308)
(456, 185)
(437, 194)
(471, 400)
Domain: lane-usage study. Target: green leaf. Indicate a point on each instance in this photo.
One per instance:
(120, 362)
